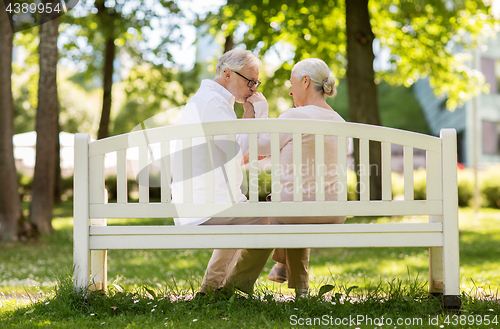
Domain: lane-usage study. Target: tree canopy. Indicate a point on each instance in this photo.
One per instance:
(424, 37)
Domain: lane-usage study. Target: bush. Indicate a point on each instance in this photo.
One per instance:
(351, 186)
(420, 184)
(25, 184)
(465, 187)
(131, 186)
(490, 187)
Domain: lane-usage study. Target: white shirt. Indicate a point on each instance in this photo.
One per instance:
(212, 102)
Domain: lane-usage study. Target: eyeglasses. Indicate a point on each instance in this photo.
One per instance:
(250, 83)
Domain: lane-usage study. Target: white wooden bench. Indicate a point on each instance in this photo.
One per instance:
(92, 237)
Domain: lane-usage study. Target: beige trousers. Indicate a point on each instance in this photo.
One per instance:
(252, 261)
(223, 260)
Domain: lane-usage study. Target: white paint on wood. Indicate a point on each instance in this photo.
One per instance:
(342, 168)
(320, 167)
(96, 172)
(440, 234)
(267, 241)
(434, 176)
(307, 230)
(451, 259)
(187, 169)
(408, 173)
(275, 168)
(253, 169)
(297, 167)
(209, 170)
(121, 177)
(386, 172)
(143, 174)
(255, 126)
(231, 168)
(165, 172)
(364, 170)
(274, 209)
(81, 247)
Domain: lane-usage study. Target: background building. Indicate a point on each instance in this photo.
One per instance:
(462, 119)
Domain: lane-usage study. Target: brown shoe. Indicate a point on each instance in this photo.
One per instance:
(277, 274)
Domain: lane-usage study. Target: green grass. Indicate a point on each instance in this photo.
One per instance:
(366, 281)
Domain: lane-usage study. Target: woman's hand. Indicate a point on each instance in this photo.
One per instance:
(249, 111)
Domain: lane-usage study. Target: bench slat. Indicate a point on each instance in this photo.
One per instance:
(187, 169)
(265, 229)
(209, 170)
(434, 176)
(408, 173)
(354, 130)
(165, 172)
(320, 167)
(274, 209)
(297, 166)
(342, 168)
(386, 172)
(231, 168)
(143, 174)
(364, 171)
(253, 168)
(96, 179)
(121, 177)
(268, 241)
(275, 168)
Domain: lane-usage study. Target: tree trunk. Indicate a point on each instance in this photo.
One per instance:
(107, 88)
(362, 90)
(106, 17)
(10, 203)
(229, 44)
(46, 128)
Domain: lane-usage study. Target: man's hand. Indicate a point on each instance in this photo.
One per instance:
(256, 97)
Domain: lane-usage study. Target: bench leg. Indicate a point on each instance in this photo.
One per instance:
(436, 271)
(98, 264)
(98, 269)
(451, 261)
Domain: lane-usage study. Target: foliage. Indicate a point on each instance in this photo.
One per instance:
(394, 112)
(25, 79)
(490, 187)
(420, 184)
(149, 90)
(465, 187)
(425, 38)
(87, 30)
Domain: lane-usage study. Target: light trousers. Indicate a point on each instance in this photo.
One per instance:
(251, 262)
(223, 260)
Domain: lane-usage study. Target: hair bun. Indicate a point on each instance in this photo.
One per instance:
(329, 86)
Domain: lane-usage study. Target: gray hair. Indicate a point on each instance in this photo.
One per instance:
(318, 72)
(235, 60)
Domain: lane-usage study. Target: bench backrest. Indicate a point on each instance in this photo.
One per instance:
(440, 169)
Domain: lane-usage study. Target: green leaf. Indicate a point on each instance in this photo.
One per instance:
(324, 289)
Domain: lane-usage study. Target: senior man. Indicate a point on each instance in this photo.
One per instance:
(237, 78)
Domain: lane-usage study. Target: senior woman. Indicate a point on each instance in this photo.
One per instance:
(311, 83)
